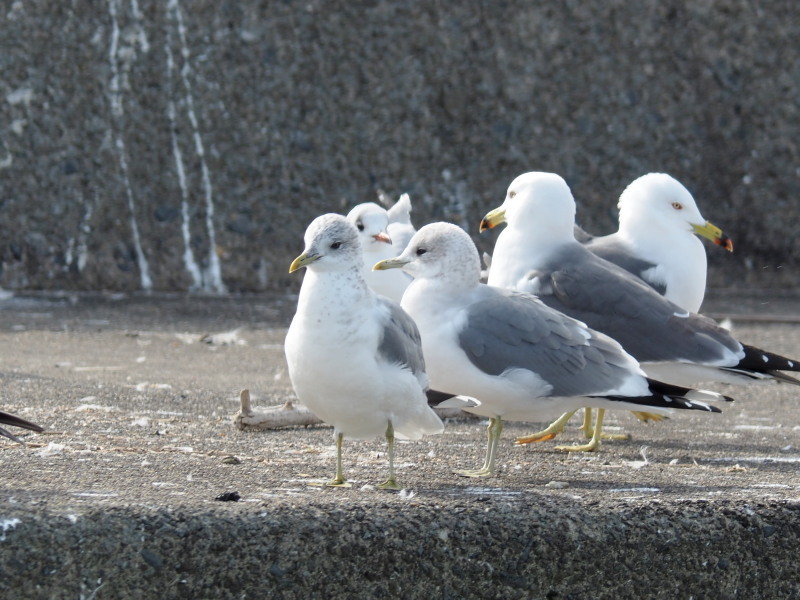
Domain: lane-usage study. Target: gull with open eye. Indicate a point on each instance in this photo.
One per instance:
(520, 359)
(537, 252)
(372, 223)
(354, 356)
(657, 239)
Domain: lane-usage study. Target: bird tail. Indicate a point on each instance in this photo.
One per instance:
(760, 364)
(666, 395)
(9, 419)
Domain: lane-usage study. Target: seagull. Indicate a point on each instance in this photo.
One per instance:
(354, 356)
(9, 419)
(657, 239)
(372, 223)
(537, 252)
(520, 359)
(400, 227)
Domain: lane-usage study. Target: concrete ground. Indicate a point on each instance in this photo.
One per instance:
(119, 497)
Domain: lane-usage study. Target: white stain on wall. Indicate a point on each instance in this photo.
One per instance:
(120, 58)
(188, 254)
(212, 275)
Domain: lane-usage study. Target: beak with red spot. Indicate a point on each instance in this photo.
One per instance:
(713, 233)
(493, 219)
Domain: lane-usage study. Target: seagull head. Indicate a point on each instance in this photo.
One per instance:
(440, 251)
(331, 244)
(371, 222)
(535, 202)
(658, 200)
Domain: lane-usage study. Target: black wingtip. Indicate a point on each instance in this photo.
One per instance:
(9, 419)
(435, 397)
(762, 361)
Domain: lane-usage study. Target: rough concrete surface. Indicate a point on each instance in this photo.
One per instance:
(117, 499)
(175, 145)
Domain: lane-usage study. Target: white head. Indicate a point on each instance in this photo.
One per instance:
(440, 251)
(371, 222)
(538, 204)
(656, 203)
(331, 244)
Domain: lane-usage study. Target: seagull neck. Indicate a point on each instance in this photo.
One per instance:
(653, 241)
(331, 293)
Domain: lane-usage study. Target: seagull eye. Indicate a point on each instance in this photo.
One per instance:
(512, 194)
(421, 251)
(677, 206)
(360, 225)
(336, 245)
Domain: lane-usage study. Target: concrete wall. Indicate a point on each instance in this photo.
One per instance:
(175, 145)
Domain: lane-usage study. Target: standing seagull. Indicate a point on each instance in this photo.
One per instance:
(537, 252)
(519, 358)
(9, 419)
(372, 223)
(657, 239)
(354, 357)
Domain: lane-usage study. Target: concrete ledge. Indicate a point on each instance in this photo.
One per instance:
(526, 547)
(117, 498)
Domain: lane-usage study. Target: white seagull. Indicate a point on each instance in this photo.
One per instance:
(372, 223)
(537, 252)
(354, 357)
(657, 239)
(520, 359)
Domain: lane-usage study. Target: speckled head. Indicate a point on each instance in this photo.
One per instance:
(440, 251)
(331, 245)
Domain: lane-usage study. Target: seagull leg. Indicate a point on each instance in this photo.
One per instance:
(338, 480)
(588, 430)
(549, 433)
(594, 443)
(646, 417)
(494, 430)
(498, 429)
(391, 483)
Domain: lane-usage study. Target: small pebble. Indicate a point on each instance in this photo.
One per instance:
(229, 497)
(559, 485)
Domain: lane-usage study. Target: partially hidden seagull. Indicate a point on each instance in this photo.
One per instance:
(400, 227)
(657, 239)
(354, 357)
(537, 252)
(520, 359)
(9, 419)
(372, 223)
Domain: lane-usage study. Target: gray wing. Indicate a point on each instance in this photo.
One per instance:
(611, 300)
(400, 342)
(509, 329)
(614, 250)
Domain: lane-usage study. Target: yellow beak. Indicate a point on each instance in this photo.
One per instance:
(390, 263)
(715, 234)
(493, 219)
(302, 261)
